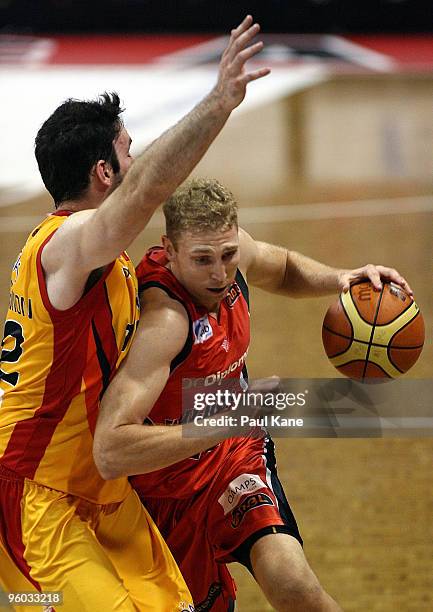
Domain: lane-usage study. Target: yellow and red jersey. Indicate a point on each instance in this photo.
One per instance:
(54, 368)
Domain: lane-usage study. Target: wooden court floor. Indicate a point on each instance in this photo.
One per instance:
(364, 506)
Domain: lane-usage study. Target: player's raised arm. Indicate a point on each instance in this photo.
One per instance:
(94, 238)
(169, 159)
(123, 445)
(279, 270)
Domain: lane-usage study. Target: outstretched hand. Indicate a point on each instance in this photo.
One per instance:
(375, 274)
(233, 77)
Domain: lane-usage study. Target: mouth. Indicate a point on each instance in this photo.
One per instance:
(217, 290)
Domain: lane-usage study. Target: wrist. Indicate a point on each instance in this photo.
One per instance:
(219, 102)
(341, 281)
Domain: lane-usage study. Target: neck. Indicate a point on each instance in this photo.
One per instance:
(69, 206)
(213, 309)
(77, 205)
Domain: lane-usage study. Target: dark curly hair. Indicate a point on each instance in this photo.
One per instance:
(73, 139)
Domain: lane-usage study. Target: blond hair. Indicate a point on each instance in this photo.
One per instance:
(199, 205)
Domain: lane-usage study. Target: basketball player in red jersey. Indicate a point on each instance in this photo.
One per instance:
(215, 500)
(73, 310)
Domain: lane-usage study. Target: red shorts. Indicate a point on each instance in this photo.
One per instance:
(242, 501)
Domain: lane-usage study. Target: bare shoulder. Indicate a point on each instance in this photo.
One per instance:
(158, 299)
(263, 264)
(164, 317)
(248, 251)
(65, 242)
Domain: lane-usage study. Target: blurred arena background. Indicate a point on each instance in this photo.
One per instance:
(331, 155)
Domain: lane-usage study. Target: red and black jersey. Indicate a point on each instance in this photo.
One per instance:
(215, 349)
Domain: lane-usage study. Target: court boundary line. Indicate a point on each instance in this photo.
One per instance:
(251, 215)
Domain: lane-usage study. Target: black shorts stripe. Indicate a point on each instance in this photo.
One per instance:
(242, 552)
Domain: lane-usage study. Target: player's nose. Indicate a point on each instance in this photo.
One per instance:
(219, 273)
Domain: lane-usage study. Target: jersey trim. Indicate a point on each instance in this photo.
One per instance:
(189, 342)
(104, 364)
(108, 354)
(61, 213)
(243, 287)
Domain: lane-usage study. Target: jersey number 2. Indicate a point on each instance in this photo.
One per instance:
(15, 331)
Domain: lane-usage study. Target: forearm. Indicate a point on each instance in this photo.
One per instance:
(278, 270)
(305, 277)
(161, 168)
(168, 161)
(139, 449)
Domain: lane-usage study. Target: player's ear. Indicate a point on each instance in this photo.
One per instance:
(168, 246)
(103, 173)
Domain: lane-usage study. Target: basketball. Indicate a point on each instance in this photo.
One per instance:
(373, 334)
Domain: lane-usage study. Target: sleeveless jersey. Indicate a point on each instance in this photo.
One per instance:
(54, 368)
(214, 350)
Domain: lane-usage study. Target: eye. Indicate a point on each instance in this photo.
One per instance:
(229, 255)
(202, 261)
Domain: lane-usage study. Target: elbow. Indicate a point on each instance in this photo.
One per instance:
(106, 460)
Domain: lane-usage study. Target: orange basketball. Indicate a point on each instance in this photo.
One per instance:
(373, 334)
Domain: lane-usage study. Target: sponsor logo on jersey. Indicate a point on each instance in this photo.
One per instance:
(225, 345)
(202, 330)
(240, 486)
(214, 592)
(249, 503)
(184, 607)
(215, 378)
(233, 295)
(16, 268)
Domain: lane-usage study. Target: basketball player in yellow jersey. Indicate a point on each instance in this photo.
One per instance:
(73, 311)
